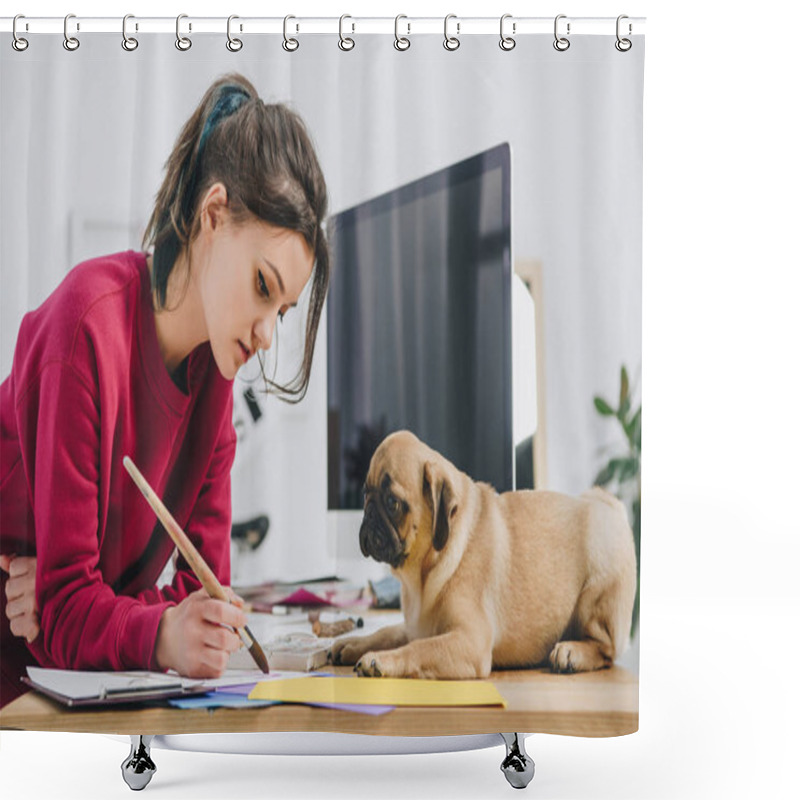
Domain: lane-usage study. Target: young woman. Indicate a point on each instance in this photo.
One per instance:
(134, 354)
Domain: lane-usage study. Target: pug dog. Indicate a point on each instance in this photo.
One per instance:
(490, 580)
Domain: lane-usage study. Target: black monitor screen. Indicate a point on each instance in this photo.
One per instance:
(419, 325)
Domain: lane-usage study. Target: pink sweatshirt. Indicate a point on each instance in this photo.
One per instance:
(88, 386)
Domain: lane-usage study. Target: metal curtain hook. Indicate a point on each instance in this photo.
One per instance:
(18, 43)
(290, 45)
(561, 43)
(400, 42)
(182, 42)
(70, 42)
(234, 45)
(451, 42)
(345, 42)
(507, 42)
(129, 43)
(623, 45)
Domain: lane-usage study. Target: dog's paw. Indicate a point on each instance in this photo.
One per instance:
(580, 656)
(347, 651)
(369, 666)
(562, 659)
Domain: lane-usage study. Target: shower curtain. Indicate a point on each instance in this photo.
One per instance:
(83, 141)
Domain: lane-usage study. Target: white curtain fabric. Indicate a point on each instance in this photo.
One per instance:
(84, 136)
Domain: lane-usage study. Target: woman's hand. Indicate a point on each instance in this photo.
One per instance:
(21, 608)
(193, 638)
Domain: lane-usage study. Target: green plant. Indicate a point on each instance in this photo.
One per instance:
(622, 474)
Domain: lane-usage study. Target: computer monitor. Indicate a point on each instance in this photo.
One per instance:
(419, 324)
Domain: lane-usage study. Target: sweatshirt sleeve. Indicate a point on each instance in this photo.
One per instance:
(84, 624)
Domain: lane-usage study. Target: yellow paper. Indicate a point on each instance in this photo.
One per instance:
(380, 691)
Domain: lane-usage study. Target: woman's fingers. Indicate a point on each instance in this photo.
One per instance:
(26, 625)
(217, 626)
(218, 638)
(215, 662)
(233, 597)
(22, 585)
(21, 608)
(218, 620)
(22, 565)
(220, 613)
(17, 608)
(22, 618)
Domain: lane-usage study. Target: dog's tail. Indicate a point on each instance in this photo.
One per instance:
(604, 496)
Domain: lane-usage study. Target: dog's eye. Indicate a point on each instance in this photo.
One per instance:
(392, 504)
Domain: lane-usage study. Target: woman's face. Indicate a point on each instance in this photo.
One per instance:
(252, 275)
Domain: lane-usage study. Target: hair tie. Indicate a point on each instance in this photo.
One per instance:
(231, 98)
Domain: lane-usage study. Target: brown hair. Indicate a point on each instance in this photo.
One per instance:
(264, 157)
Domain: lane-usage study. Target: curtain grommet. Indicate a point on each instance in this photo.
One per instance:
(289, 44)
(401, 43)
(18, 42)
(507, 43)
(183, 43)
(129, 43)
(71, 43)
(346, 43)
(233, 44)
(451, 43)
(561, 43)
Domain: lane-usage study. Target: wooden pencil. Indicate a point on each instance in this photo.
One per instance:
(194, 559)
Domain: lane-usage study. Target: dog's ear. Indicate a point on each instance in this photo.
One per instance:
(438, 492)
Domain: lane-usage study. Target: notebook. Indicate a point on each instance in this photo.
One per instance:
(76, 688)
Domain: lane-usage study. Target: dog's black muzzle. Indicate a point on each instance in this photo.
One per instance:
(379, 539)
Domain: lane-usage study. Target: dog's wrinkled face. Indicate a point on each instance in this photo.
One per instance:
(382, 533)
(403, 515)
(391, 500)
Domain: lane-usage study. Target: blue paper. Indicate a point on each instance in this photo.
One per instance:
(219, 700)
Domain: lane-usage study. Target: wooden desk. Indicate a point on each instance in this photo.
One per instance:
(604, 703)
